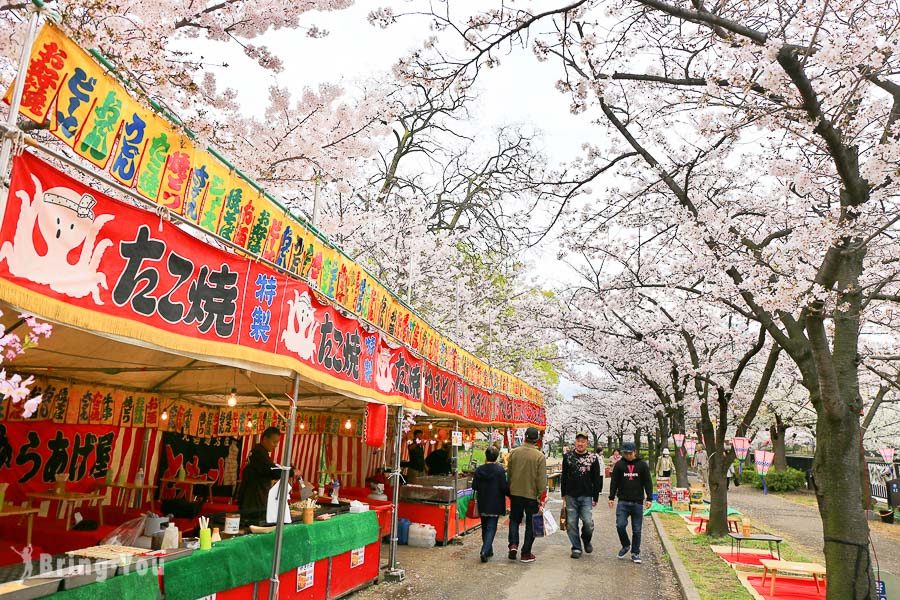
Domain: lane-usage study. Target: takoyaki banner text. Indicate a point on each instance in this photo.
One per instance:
(74, 255)
(88, 109)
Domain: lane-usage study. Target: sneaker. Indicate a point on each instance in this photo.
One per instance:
(576, 553)
(528, 558)
(513, 553)
(624, 551)
(636, 559)
(588, 547)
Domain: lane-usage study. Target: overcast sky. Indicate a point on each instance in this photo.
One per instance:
(520, 91)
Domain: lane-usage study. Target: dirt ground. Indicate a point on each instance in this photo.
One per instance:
(455, 571)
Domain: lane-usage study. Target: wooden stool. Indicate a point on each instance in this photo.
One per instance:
(772, 567)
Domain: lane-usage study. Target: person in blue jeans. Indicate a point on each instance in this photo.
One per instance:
(491, 489)
(581, 485)
(632, 485)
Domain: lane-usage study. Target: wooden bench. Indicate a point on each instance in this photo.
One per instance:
(774, 567)
(734, 524)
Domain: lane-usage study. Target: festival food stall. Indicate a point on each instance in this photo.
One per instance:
(192, 312)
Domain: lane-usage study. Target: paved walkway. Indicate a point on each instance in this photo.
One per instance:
(454, 571)
(801, 525)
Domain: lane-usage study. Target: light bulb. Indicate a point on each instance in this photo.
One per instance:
(249, 424)
(348, 424)
(165, 415)
(430, 426)
(302, 425)
(232, 397)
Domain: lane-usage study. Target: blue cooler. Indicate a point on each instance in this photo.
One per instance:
(403, 531)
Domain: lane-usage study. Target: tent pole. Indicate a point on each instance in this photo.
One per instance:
(283, 492)
(395, 573)
(16, 99)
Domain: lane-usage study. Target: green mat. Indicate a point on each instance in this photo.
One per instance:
(242, 560)
(462, 505)
(665, 508)
(134, 586)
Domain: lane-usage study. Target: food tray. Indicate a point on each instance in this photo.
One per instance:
(107, 552)
(28, 589)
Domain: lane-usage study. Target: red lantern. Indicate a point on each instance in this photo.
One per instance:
(376, 424)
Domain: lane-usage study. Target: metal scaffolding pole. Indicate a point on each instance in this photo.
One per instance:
(394, 572)
(283, 492)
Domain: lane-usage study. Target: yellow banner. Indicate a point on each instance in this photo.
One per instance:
(89, 110)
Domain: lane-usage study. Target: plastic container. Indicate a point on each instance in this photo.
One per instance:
(403, 531)
(170, 537)
(422, 536)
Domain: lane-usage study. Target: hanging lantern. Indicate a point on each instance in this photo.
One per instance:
(741, 447)
(375, 425)
(887, 453)
(679, 442)
(690, 446)
(763, 462)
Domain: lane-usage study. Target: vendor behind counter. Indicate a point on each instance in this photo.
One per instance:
(438, 462)
(259, 475)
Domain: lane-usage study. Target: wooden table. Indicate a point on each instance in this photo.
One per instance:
(134, 490)
(68, 500)
(772, 567)
(757, 537)
(553, 480)
(17, 511)
(191, 483)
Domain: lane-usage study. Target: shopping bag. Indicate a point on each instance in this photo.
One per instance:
(537, 520)
(472, 509)
(563, 517)
(550, 526)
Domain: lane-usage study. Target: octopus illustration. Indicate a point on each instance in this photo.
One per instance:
(383, 379)
(299, 336)
(65, 220)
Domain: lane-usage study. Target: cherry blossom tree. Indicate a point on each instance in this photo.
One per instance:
(765, 134)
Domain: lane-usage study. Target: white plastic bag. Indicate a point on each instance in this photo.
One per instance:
(550, 525)
(127, 533)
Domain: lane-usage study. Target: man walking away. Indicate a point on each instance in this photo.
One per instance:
(664, 466)
(491, 490)
(581, 486)
(631, 483)
(527, 472)
(701, 463)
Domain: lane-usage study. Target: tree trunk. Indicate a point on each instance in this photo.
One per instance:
(718, 497)
(620, 437)
(777, 433)
(717, 466)
(679, 458)
(637, 441)
(837, 470)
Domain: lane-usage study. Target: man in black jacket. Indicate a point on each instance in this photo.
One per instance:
(415, 466)
(632, 484)
(581, 486)
(491, 489)
(259, 473)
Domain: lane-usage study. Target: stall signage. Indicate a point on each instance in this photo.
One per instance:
(357, 557)
(96, 263)
(306, 576)
(89, 110)
(32, 454)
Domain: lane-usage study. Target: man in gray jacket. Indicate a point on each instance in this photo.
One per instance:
(527, 474)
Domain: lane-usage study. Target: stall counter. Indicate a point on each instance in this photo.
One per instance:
(246, 560)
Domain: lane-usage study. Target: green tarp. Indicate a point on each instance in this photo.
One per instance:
(246, 559)
(665, 508)
(134, 586)
(462, 505)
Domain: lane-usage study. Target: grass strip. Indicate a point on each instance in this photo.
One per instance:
(712, 576)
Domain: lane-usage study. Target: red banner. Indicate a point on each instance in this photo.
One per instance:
(446, 394)
(100, 264)
(32, 453)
